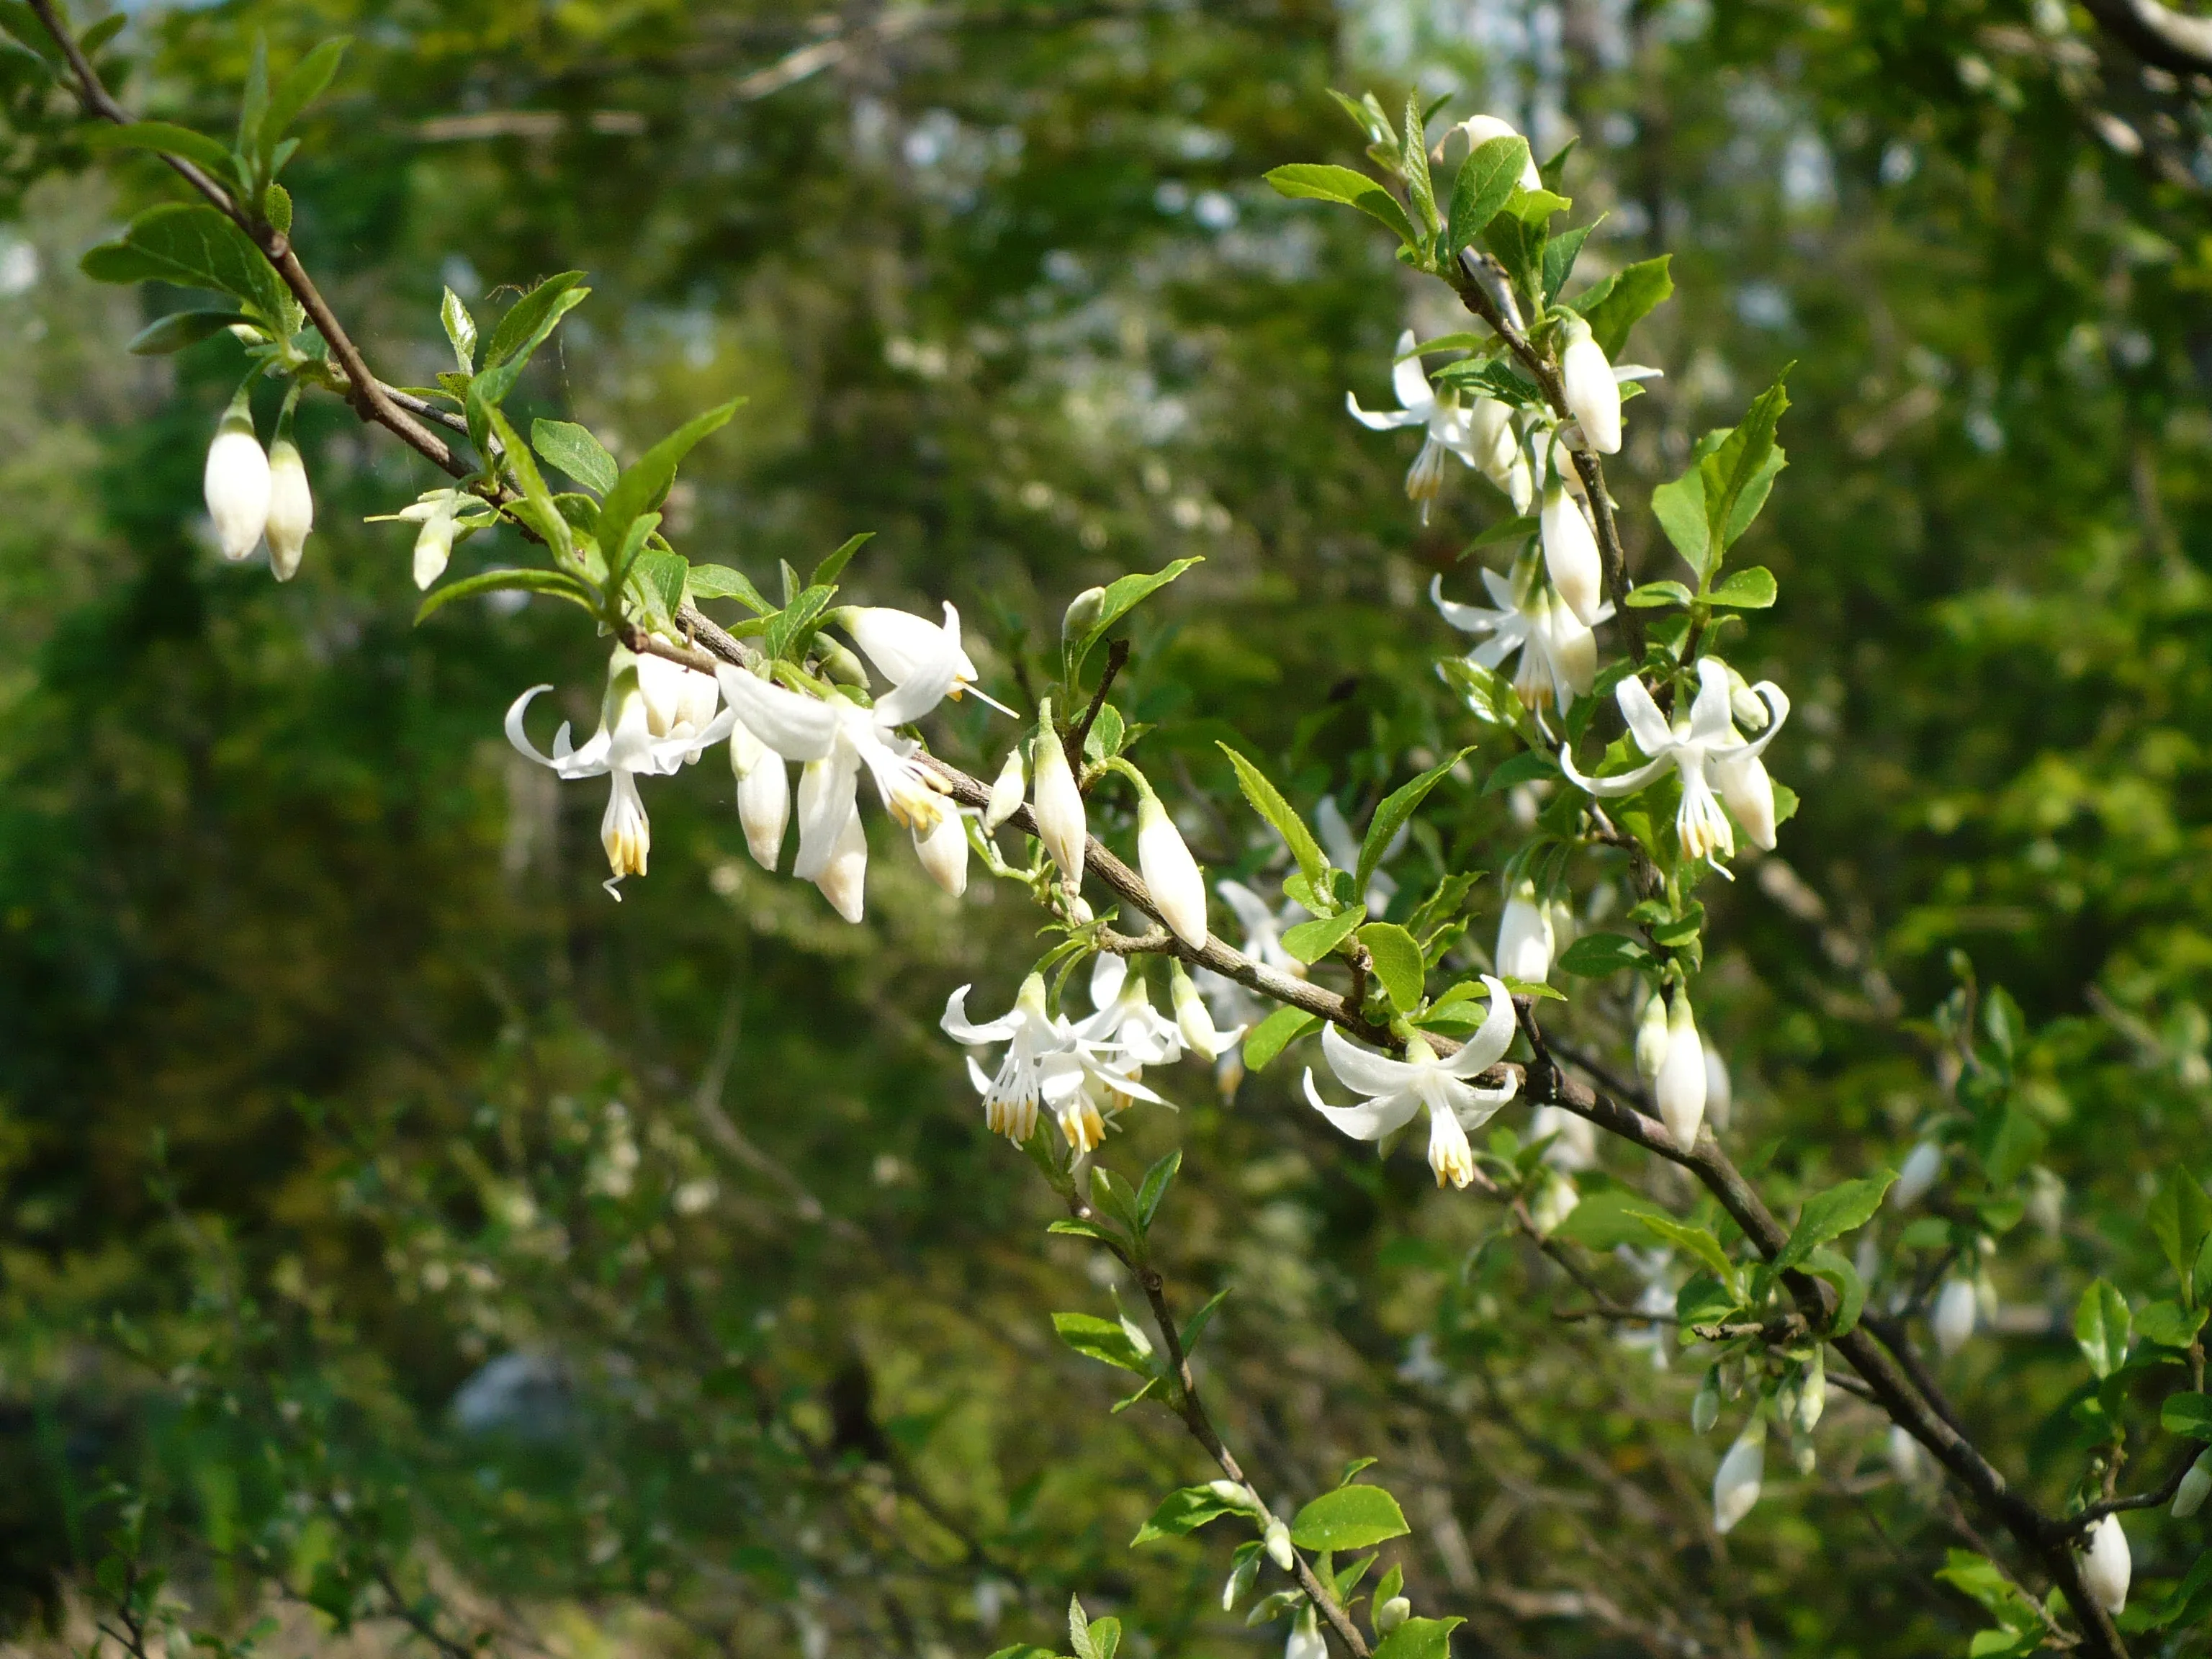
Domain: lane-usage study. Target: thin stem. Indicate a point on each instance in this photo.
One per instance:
(1117, 654)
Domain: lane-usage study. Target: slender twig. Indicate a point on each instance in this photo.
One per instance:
(1117, 654)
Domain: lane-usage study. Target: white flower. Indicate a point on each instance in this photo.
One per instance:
(1126, 1020)
(291, 508)
(1574, 1139)
(1923, 1166)
(1559, 654)
(1450, 431)
(1952, 1322)
(1651, 1037)
(623, 748)
(2107, 1568)
(843, 878)
(1342, 846)
(439, 512)
(944, 852)
(1195, 1020)
(1555, 1200)
(1736, 1485)
(1007, 792)
(1720, 1093)
(2196, 1486)
(236, 481)
(1525, 937)
(679, 702)
(1705, 743)
(1498, 453)
(1306, 1640)
(1263, 926)
(903, 646)
(1571, 555)
(763, 793)
(1680, 1085)
(1056, 801)
(1593, 395)
(1171, 874)
(1048, 1062)
(1480, 130)
(1397, 1089)
(837, 739)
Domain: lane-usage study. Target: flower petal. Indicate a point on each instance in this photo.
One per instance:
(956, 1025)
(1491, 1038)
(1361, 1069)
(1645, 723)
(1409, 380)
(826, 799)
(1709, 714)
(1370, 1119)
(798, 728)
(1377, 420)
(1620, 783)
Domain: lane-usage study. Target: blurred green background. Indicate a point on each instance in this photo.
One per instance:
(329, 1075)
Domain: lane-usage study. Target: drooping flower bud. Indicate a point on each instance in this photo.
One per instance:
(1525, 937)
(1176, 884)
(763, 799)
(1497, 450)
(1593, 395)
(1651, 1037)
(844, 880)
(236, 481)
(1720, 1093)
(1923, 1166)
(1735, 1486)
(1706, 1409)
(291, 509)
(433, 543)
(1007, 792)
(1748, 708)
(1056, 801)
(1749, 793)
(1680, 1085)
(942, 850)
(1195, 1020)
(1952, 1322)
(2107, 1567)
(1392, 1613)
(1306, 1640)
(1278, 1541)
(2196, 1486)
(1812, 1395)
(1571, 553)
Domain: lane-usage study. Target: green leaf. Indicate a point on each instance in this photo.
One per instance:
(1195, 1326)
(2187, 1414)
(658, 578)
(2169, 1324)
(1184, 1512)
(1978, 1576)
(300, 87)
(1680, 507)
(575, 452)
(1081, 1229)
(1310, 941)
(1122, 595)
(553, 582)
(191, 246)
(1390, 816)
(167, 138)
(1528, 766)
(827, 570)
(1741, 470)
(1398, 964)
(1619, 304)
(1322, 182)
(1652, 595)
(460, 328)
(1154, 1186)
(1752, 589)
(277, 208)
(1534, 207)
(1109, 1193)
(1851, 1289)
(2101, 1326)
(1420, 1638)
(1274, 1034)
(1595, 956)
(1605, 1218)
(2180, 1220)
(1560, 256)
(537, 509)
(1413, 164)
(1349, 1518)
(530, 318)
(1267, 801)
(1102, 1340)
(1511, 530)
(1685, 1236)
(254, 104)
(1024, 1650)
(1828, 1216)
(646, 480)
(719, 581)
(790, 629)
(1490, 173)
(180, 329)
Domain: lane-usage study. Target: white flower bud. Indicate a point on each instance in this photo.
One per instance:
(1680, 1085)
(1553, 1203)
(1720, 1094)
(1480, 130)
(1392, 1613)
(2107, 1568)
(291, 508)
(1923, 1167)
(1524, 937)
(1497, 450)
(1749, 793)
(1706, 1409)
(1195, 1020)
(2196, 1486)
(1574, 651)
(433, 543)
(844, 880)
(1057, 802)
(1593, 395)
(1007, 792)
(1747, 706)
(1907, 1462)
(1278, 1541)
(1171, 874)
(1954, 1319)
(1812, 1395)
(236, 483)
(1651, 1037)
(942, 850)
(1735, 1486)
(1571, 555)
(1082, 614)
(1306, 1640)
(763, 795)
